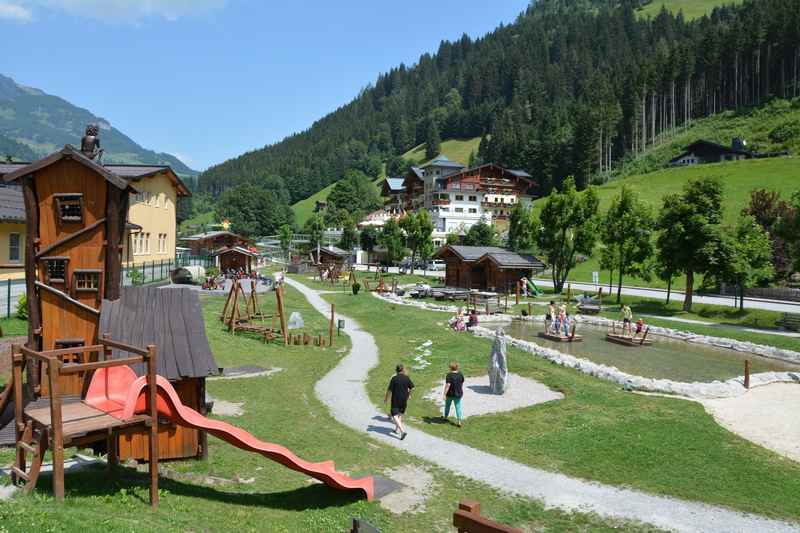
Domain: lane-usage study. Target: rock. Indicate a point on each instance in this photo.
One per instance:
(498, 364)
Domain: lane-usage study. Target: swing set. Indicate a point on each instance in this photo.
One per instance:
(242, 312)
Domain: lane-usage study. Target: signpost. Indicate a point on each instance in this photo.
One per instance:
(596, 278)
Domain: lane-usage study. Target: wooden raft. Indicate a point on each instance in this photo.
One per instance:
(625, 340)
(560, 338)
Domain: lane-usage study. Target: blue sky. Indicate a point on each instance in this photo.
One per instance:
(210, 79)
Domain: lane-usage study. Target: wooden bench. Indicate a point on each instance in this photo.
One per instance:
(468, 519)
(791, 321)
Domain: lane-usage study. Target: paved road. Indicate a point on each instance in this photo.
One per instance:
(343, 390)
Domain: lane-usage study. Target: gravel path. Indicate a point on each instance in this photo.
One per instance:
(343, 391)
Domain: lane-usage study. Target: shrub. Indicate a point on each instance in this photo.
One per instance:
(212, 272)
(356, 288)
(136, 276)
(22, 307)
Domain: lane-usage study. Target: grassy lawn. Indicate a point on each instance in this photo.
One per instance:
(281, 408)
(599, 432)
(692, 9)
(457, 150)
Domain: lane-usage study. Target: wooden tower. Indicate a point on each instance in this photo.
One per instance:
(76, 213)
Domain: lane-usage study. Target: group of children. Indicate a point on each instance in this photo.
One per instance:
(627, 319)
(458, 324)
(557, 321)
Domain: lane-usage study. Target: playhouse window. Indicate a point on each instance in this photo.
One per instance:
(56, 269)
(13, 247)
(87, 280)
(70, 207)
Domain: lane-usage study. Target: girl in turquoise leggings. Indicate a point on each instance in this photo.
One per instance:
(453, 391)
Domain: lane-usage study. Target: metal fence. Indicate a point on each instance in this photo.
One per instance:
(149, 272)
(768, 293)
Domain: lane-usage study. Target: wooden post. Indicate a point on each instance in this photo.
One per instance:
(530, 309)
(34, 309)
(518, 293)
(320, 341)
(282, 314)
(112, 456)
(153, 411)
(18, 361)
(644, 337)
(330, 325)
(53, 371)
(747, 373)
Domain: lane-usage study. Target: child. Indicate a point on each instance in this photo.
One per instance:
(453, 391)
(473, 319)
(565, 325)
(627, 316)
(550, 316)
(400, 387)
(639, 327)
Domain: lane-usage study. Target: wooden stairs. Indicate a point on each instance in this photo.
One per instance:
(33, 442)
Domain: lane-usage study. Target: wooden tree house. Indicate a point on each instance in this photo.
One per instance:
(76, 215)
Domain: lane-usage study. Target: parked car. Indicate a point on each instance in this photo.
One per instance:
(436, 266)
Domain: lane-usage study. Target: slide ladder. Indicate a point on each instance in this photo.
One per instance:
(120, 393)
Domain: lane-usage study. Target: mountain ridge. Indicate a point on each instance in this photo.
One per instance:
(34, 123)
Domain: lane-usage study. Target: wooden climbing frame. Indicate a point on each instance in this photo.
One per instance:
(251, 318)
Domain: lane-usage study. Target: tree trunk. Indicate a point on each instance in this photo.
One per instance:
(669, 287)
(619, 284)
(741, 296)
(687, 300)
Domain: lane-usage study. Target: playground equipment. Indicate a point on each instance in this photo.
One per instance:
(244, 320)
(627, 340)
(117, 401)
(533, 289)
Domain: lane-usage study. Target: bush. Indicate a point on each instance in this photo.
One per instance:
(356, 288)
(212, 272)
(22, 307)
(136, 276)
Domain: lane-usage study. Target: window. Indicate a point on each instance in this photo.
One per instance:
(13, 247)
(55, 269)
(459, 209)
(162, 243)
(473, 210)
(69, 207)
(69, 343)
(459, 197)
(87, 280)
(473, 198)
(146, 244)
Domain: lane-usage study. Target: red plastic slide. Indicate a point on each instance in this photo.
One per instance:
(118, 392)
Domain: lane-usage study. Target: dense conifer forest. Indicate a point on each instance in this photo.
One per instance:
(573, 87)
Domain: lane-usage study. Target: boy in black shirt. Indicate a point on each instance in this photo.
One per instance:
(400, 389)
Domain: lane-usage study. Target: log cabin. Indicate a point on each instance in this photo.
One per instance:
(486, 268)
(234, 258)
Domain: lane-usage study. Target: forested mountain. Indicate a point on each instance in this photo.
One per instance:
(34, 124)
(571, 88)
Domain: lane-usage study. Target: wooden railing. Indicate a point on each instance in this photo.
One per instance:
(468, 519)
(52, 359)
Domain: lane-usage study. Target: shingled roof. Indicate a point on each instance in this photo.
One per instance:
(508, 259)
(169, 318)
(12, 206)
(468, 253)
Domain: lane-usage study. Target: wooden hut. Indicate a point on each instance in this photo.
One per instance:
(206, 243)
(485, 267)
(330, 255)
(173, 321)
(235, 258)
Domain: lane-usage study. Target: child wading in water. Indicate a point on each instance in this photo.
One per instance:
(453, 391)
(400, 389)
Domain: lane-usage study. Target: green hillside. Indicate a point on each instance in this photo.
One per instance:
(691, 9)
(781, 174)
(774, 127)
(457, 150)
(304, 209)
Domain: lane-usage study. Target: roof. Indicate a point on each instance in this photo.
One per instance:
(509, 259)
(118, 175)
(468, 253)
(395, 184)
(442, 161)
(519, 173)
(334, 250)
(714, 146)
(12, 206)
(210, 235)
(171, 319)
(237, 249)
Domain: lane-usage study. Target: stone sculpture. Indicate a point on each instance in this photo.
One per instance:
(90, 143)
(498, 364)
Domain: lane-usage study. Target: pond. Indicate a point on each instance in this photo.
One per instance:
(666, 359)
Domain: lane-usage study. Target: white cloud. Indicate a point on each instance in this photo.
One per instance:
(15, 12)
(128, 10)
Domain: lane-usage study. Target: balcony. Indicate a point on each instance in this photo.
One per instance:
(441, 201)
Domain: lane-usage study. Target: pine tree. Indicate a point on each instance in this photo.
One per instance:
(433, 142)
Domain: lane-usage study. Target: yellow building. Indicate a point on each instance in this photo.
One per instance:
(12, 233)
(152, 224)
(151, 234)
